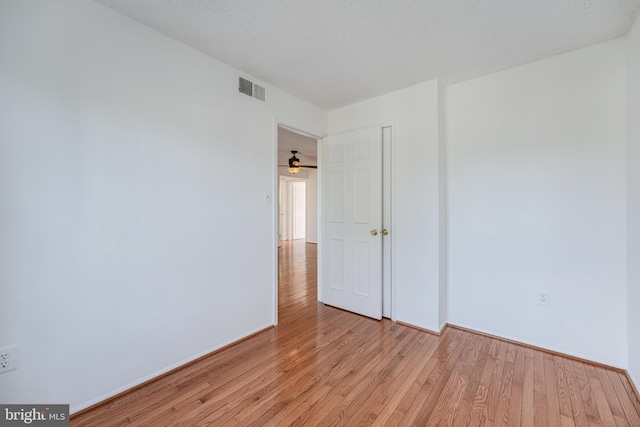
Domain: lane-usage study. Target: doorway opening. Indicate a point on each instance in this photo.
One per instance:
(288, 147)
(297, 204)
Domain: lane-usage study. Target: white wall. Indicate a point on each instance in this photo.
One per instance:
(537, 201)
(413, 113)
(123, 240)
(633, 212)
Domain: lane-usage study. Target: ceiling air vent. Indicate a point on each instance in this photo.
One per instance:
(249, 88)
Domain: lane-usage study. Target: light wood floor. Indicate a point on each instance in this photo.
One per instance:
(322, 366)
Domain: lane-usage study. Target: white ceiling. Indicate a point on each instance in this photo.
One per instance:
(336, 52)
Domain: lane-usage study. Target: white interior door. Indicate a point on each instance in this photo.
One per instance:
(298, 210)
(352, 221)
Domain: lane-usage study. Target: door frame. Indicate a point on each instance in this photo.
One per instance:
(276, 219)
(387, 222)
(275, 211)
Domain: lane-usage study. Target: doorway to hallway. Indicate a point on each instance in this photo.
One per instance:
(297, 281)
(297, 219)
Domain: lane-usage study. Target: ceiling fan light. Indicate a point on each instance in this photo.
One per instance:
(294, 163)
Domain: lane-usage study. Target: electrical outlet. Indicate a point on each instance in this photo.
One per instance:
(8, 358)
(544, 298)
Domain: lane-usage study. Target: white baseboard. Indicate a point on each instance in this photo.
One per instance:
(542, 347)
(634, 382)
(162, 371)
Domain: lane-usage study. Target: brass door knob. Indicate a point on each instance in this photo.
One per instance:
(385, 231)
(374, 232)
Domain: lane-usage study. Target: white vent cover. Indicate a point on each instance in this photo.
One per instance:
(258, 92)
(249, 88)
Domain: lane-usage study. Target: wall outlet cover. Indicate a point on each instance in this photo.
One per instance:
(8, 358)
(543, 297)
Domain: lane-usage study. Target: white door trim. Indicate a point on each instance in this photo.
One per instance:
(387, 296)
(394, 225)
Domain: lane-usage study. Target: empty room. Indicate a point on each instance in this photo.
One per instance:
(333, 212)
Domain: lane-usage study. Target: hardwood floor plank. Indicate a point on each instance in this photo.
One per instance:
(601, 402)
(539, 390)
(464, 412)
(292, 415)
(323, 366)
(631, 391)
(359, 388)
(553, 403)
(390, 415)
(435, 384)
(383, 400)
(496, 382)
(411, 404)
(610, 394)
(590, 407)
(455, 388)
(528, 397)
(579, 414)
(626, 400)
(477, 413)
(504, 397)
(563, 388)
(171, 409)
(517, 387)
(295, 383)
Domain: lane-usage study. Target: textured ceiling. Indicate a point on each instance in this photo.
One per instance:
(336, 52)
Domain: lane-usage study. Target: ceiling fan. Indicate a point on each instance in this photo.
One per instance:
(294, 165)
